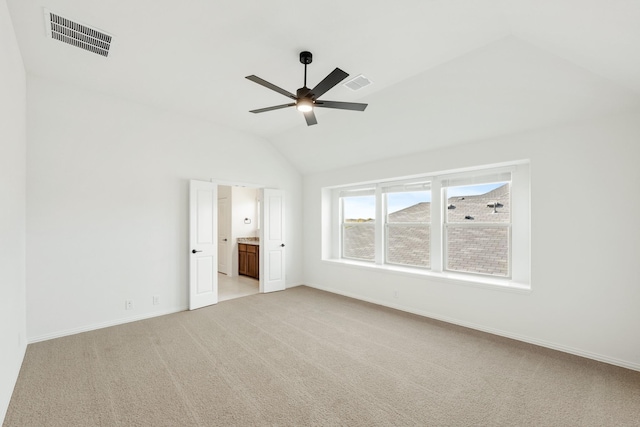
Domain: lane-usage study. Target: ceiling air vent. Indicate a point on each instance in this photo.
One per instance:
(358, 82)
(76, 34)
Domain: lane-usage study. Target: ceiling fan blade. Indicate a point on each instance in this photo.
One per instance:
(355, 106)
(334, 77)
(271, 86)
(276, 107)
(310, 117)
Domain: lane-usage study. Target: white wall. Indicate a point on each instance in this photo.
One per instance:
(107, 208)
(243, 205)
(585, 240)
(12, 209)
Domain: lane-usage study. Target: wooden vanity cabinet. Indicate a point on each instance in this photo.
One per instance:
(242, 259)
(248, 264)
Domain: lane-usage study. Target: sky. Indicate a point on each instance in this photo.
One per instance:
(364, 206)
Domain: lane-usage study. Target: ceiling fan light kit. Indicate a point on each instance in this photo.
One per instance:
(304, 105)
(306, 99)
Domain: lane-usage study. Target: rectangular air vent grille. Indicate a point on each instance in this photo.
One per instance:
(78, 35)
(358, 82)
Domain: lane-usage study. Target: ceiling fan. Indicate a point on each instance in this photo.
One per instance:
(307, 99)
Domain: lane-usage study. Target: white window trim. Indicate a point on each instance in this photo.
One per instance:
(487, 282)
(519, 279)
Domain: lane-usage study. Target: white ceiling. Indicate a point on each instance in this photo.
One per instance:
(444, 71)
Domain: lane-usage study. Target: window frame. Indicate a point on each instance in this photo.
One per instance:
(519, 229)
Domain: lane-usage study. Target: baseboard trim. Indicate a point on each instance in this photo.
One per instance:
(293, 285)
(102, 325)
(116, 322)
(535, 341)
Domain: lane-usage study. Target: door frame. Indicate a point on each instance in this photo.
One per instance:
(226, 254)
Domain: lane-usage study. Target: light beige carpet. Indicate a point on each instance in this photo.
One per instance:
(304, 357)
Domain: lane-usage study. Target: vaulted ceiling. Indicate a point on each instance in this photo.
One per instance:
(444, 71)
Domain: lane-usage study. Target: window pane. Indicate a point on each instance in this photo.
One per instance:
(358, 241)
(478, 249)
(478, 203)
(408, 245)
(359, 208)
(410, 206)
(358, 232)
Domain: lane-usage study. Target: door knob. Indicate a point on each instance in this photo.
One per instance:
(282, 245)
(224, 240)
(194, 251)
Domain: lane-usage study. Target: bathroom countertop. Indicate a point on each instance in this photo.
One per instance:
(249, 240)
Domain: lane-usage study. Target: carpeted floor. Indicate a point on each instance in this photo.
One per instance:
(305, 357)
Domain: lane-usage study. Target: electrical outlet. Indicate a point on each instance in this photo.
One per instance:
(128, 305)
(156, 299)
(395, 293)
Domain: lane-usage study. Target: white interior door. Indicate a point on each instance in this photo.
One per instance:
(203, 237)
(224, 232)
(272, 251)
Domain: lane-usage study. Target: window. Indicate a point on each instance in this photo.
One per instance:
(407, 224)
(467, 225)
(477, 226)
(358, 224)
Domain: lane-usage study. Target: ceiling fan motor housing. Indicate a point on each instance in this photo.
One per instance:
(304, 92)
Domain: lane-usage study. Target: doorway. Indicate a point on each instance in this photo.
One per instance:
(236, 287)
(238, 229)
(204, 241)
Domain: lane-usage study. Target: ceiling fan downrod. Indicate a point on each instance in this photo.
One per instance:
(306, 58)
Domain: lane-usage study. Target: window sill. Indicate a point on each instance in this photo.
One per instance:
(444, 277)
